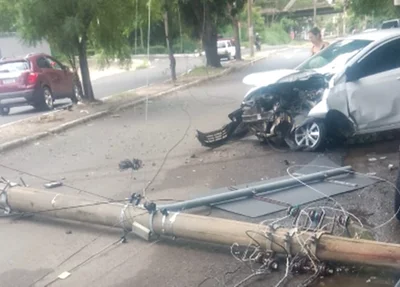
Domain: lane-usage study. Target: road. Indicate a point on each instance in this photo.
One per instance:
(118, 83)
(38, 249)
(122, 82)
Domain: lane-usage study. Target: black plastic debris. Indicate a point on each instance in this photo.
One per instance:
(134, 164)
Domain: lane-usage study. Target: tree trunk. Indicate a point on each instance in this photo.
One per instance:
(76, 78)
(83, 62)
(235, 24)
(210, 44)
(172, 61)
(141, 37)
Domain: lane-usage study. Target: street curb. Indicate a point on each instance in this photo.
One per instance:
(28, 139)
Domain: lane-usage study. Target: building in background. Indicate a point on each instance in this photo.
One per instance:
(11, 45)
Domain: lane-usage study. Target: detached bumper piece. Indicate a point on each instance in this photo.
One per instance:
(221, 136)
(217, 137)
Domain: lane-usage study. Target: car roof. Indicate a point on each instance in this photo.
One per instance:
(21, 58)
(377, 36)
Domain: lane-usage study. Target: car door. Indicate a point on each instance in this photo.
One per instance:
(63, 77)
(374, 93)
(51, 76)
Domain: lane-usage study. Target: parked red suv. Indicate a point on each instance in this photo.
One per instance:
(37, 80)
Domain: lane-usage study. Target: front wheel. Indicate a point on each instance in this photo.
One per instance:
(310, 137)
(46, 101)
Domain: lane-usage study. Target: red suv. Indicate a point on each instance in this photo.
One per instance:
(37, 80)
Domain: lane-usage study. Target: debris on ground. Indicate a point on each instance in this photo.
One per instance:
(53, 184)
(134, 164)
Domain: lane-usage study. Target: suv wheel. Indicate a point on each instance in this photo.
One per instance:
(4, 111)
(46, 101)
(76, 95)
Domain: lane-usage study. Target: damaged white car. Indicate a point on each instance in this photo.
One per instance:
(351, 87)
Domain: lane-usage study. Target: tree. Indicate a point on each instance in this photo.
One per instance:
(167, 8)
(71, 25)
(8, 17)
(384, 8)
(204, 16)
(234, 9)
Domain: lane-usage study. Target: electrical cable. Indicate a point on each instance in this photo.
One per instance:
(48, 180)
(170, 150)
(367, 176)
(207, 279)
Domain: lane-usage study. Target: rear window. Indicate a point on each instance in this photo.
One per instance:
(18, 66)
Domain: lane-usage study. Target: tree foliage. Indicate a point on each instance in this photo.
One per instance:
(69, 26)
(382, 8)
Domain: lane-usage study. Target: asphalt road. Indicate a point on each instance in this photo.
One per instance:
(37, 249)
(118, 83)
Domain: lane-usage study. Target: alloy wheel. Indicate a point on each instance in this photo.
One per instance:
(308, 136)
(48, 98)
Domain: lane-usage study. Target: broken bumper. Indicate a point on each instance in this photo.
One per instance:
(220, 136)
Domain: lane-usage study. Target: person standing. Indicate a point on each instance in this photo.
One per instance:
(315, 37)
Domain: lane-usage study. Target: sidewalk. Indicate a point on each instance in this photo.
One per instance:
(32, 129)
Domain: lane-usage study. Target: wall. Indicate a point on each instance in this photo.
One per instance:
(11, 45)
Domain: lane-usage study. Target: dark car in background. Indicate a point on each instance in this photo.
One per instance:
(37, 80)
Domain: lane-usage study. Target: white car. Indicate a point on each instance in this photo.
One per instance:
(363, 94)
(226, 49)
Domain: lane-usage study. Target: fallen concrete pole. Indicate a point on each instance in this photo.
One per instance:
(246, 192)
(201, 228)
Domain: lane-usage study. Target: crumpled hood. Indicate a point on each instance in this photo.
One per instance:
(267, 78)
(260, 81)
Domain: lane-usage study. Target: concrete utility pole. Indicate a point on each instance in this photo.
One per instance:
(396, 2)
(250, 25)
(201, 228)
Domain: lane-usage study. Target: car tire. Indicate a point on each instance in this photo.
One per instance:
(397, 197)
(46, 100)
(76, 94)
(310, 137)
(4, 111)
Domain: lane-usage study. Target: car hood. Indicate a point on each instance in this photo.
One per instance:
(264, 79)
(260, 81)
(267, 78)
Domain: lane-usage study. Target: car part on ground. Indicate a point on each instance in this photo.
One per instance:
(298, 195)
(249, 191)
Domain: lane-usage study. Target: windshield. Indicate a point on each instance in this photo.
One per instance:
(344, 49)
(221, 44)
(14, 67)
